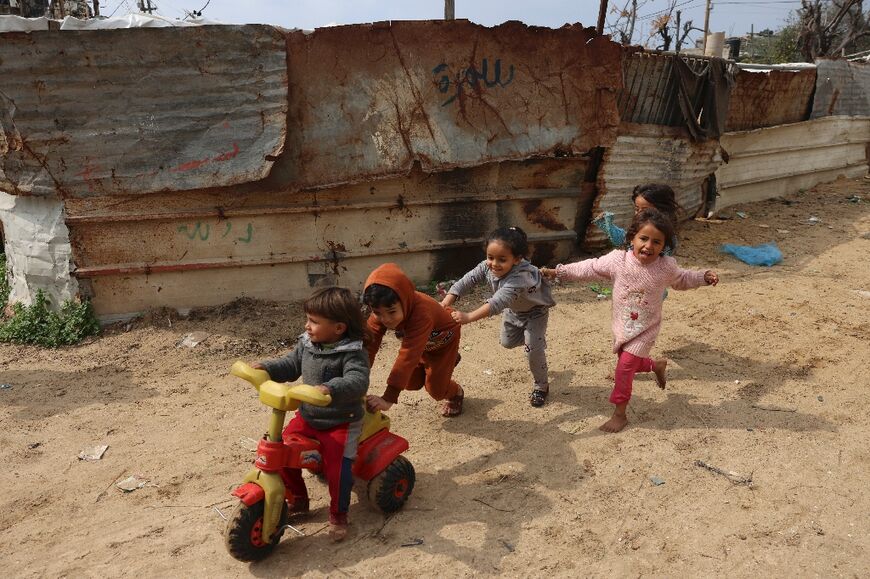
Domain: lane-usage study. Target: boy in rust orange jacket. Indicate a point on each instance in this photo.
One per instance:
(430, 340)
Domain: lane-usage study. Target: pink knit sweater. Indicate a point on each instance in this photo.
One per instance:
(638, 292)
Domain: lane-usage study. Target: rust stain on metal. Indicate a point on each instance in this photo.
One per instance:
(444, 94)
(769, 98)
(537, 213)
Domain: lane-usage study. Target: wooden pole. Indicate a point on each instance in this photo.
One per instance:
(449, 9)
(679, 40)
(96, 8)
(706, 24)
(602, 11)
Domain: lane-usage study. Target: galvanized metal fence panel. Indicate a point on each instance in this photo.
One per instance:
(648, 154)
(85, 113)
(842, 88)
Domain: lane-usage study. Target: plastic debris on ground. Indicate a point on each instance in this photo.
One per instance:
(741, 214)
(657, 480)
(93, 452)
(131, 483)
(862, 293)
(814, 219)
(5, 386)
(193, 339)
(766, 254)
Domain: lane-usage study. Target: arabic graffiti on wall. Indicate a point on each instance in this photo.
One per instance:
(471, 78)
(202, 231)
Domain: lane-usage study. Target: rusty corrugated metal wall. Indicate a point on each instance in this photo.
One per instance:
(651, 154)
(367, 101)
(650, 87)
(208, 247)
(405, 142)
(140, 110)
(770, 97)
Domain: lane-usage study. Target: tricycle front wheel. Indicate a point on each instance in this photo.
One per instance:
(390, 489)
(244, 532)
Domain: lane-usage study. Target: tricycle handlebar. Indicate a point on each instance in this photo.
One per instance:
(280, 396)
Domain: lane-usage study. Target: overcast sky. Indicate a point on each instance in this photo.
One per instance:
(734, 17)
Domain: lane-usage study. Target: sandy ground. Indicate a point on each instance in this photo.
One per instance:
(504, 489)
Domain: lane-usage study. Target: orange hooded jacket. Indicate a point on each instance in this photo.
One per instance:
(427, 332)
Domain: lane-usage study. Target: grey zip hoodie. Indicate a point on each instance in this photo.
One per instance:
(344, 368)
(521, 290)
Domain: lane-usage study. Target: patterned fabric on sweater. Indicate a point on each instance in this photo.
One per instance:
(344, 368)
(521, 290)
(637, 293)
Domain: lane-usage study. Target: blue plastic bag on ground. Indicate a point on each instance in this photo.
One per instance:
(766, 254)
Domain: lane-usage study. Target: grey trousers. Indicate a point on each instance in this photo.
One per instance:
(529, 329)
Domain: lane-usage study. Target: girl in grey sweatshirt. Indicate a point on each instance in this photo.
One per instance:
(520, 292)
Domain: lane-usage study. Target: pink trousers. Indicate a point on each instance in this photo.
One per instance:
(627, 365)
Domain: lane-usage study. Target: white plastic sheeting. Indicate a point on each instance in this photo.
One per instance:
(13, 23)
(129, 21)
(38, 251)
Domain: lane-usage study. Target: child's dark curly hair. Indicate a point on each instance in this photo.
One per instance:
(339, 305)
(660, 196)
(652, 217)
(513, 238)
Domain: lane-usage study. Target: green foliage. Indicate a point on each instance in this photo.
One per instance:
(4, 284)
(38, 324)
(785, 45)
(601, 289)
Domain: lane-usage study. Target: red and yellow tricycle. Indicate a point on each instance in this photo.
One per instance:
(261, 515)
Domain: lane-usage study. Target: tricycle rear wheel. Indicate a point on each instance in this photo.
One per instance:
(243, 535)
(391, 489)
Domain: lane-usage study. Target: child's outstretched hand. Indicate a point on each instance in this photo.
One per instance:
(375, 403)
(257, 366)
(448, 300)
(324, 389)
(710, 277)
(460, 317)
(548, 273)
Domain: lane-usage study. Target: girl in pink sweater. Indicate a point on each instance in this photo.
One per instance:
(640, 276)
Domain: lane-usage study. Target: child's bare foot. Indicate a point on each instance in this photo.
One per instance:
(618, 421)
(615, 424)
(337, 532)
(659, 369)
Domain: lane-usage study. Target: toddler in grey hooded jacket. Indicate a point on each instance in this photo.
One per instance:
(344, 368)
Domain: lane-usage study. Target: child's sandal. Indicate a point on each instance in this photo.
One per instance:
(538, 397)
(453, 406)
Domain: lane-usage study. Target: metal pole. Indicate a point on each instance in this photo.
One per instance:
(602, 10)
(706, 24)
(752, 42)
(449, 9)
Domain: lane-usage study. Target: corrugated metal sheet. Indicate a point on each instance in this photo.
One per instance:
(140, 110)
(842, 88)
(775, 161)
(769, 98)
(209, 247)
(651, 154)
(369, 100)
(650, 92)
